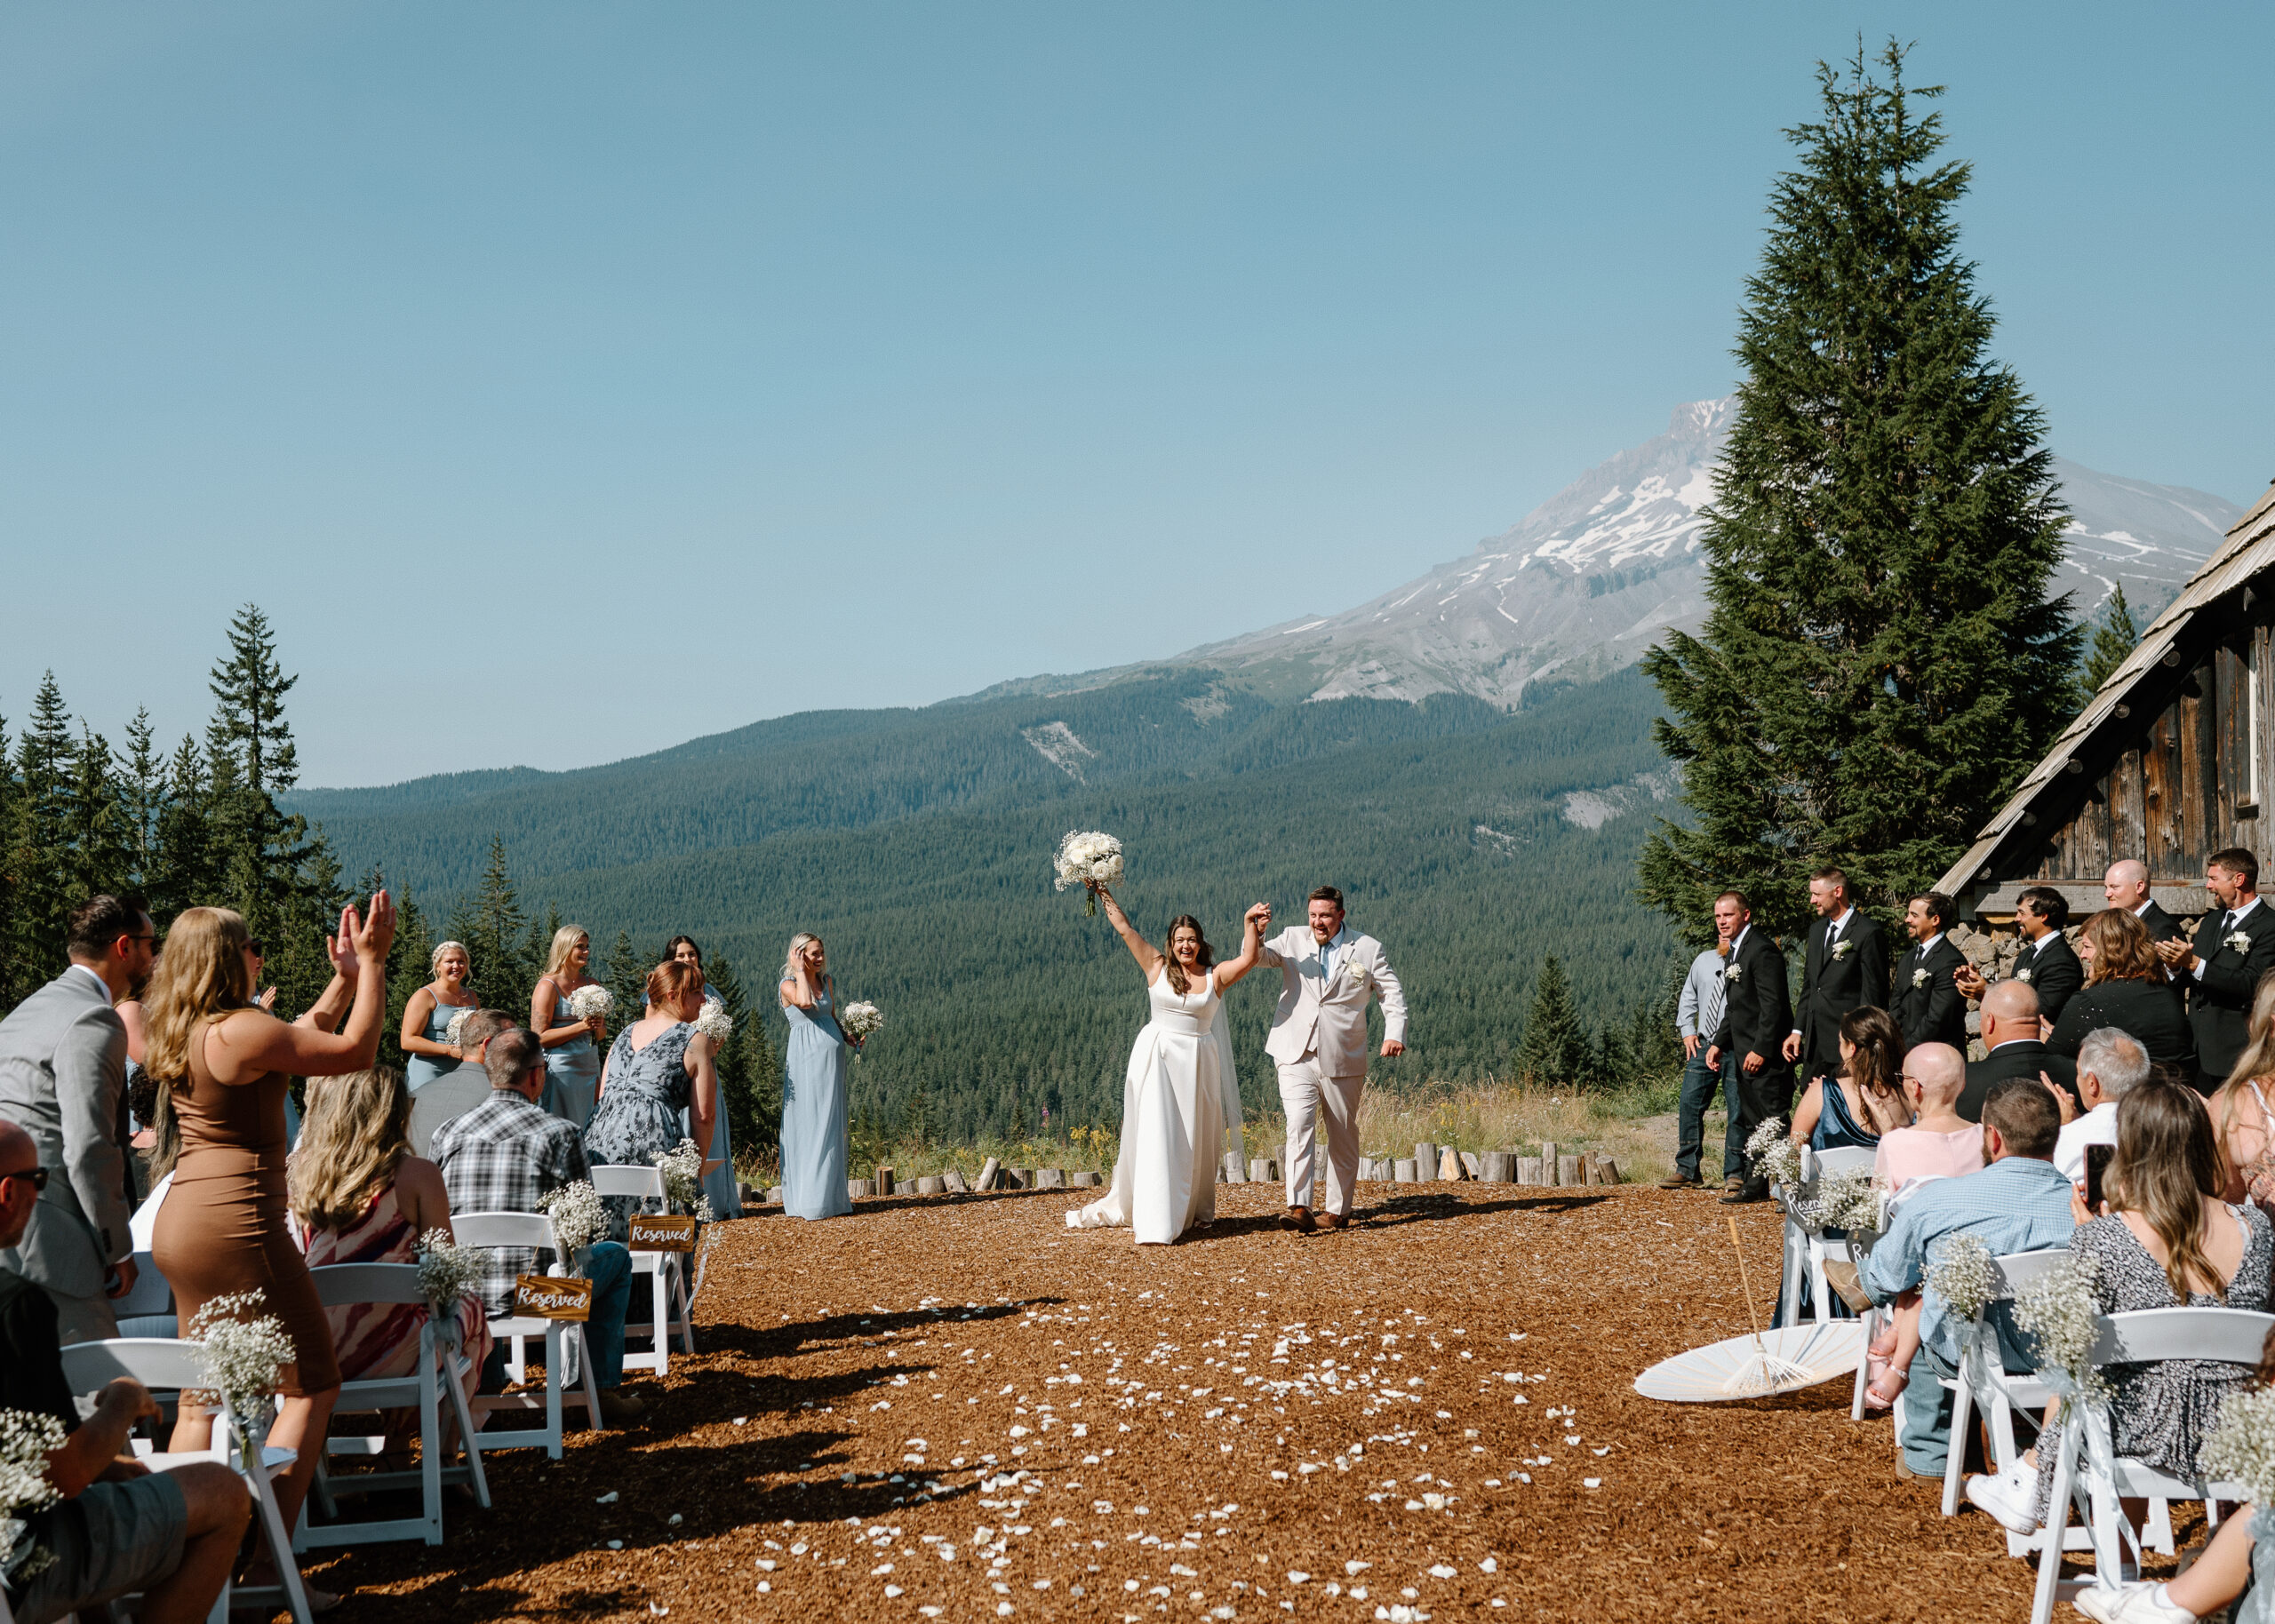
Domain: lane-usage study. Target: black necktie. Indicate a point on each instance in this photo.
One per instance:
(2228, 922)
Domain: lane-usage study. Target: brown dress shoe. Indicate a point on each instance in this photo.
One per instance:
(1330, 1221)
(1300, 1218)
(1683, 1181)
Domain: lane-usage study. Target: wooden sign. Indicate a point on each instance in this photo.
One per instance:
(653, 1233)
(552, 1297)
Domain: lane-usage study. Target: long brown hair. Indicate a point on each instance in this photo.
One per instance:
(1176, 971)
(201, 978)
(2122, 951)
(356, 1135)
(2167, 1163)
(1878, 1063)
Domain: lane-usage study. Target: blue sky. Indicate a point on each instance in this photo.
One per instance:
(568, 380)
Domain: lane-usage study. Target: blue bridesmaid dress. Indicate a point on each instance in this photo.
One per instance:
(815, 1101)
(573, 1073)
(424, 1069)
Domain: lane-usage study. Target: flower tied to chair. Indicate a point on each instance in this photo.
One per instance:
(447, 1272)
(2061, 1312)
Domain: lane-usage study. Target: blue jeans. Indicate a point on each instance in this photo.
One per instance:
(609, 1267)
(1699, 1083)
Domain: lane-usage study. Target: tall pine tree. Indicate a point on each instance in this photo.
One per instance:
(1881, 664)
(46, 761)
(496, 932)
(2115, 636)
(1555, 1049)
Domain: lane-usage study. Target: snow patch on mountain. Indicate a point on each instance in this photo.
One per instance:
(1593, 808)
(1056, 743)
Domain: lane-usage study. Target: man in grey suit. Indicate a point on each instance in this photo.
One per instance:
(464, 1087)
(63, 1080)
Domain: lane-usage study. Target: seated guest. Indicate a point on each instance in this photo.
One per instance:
(1866, 1100)
(2012, 1047)
(2242, 1114)
(121, 1528)
(1941, 1145)
(2110, 1065)
(2166, 1241)
(361, 1196)
(2018, 1203)
(2125, 988)
(463, 1086)
(500, 1158)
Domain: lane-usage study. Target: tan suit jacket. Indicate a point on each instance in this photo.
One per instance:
(1330, 1020)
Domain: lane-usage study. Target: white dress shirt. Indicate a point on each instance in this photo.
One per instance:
(2096, 1127)
(2231, 918)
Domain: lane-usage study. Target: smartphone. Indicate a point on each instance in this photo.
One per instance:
(2097, 1159)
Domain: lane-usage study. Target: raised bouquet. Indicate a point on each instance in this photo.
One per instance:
(1091, 859)
(682, 1169)
(244, 1354)
(715, 1021)
(590, 1000)
(26, 1441)
(578, 1218)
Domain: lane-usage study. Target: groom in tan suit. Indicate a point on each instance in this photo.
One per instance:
(1327, 973)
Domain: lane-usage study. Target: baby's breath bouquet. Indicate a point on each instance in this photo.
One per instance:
(2241, 1445)
(245, 1352)
(1842, 1201)
(578, 1218)
(447, 1271)
(1088, 859)
(682, 1170)
(858, 1019)
(454, 1034)
(2061, 1313)
(26, 1441)
(1960, 1274)
(1774, 1157)
(589, 1000)
(715, 1022)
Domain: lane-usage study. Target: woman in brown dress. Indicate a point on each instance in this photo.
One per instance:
(222, 1068)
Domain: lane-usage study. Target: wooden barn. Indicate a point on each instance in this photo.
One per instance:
(2173, 759)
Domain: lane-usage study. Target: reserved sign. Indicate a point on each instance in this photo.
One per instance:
(660, 1234)
(552, 1297)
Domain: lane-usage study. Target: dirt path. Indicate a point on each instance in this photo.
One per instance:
(1432, 1411)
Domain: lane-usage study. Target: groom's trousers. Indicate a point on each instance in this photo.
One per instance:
(1307, 1095)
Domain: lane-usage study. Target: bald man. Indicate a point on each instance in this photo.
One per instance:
(2012, 1048)
(2126, 886)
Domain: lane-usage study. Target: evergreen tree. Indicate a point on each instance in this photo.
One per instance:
(96, 857)
(45, 763)
(185, 872)
(11, 851)
(1881, 664)
(1555, 1048)
(142, 800)
(495, 931)
(627, 977)
(2115, 636)
(1611, 1061)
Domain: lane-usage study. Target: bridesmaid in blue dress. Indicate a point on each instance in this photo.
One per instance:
(1852, 1110)
(720, 1183)
(815, 1093)
(572, 1055)
(426, 1017)
(659, 1075)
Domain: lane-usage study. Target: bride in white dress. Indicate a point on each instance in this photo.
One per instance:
(1181, 1100)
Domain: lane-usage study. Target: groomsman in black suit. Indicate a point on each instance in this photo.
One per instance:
(2047, 961)
(1844, 966)
(2126, 885)
(1925, 1000)
(1757, 1018)
(2234, 947)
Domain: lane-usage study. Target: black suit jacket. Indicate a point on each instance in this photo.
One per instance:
(1928, 1007)
(2162, 926)
(2219, 997)
(2053, 971)
(2027, 1058)
(1757, 1010)
(1834, 983)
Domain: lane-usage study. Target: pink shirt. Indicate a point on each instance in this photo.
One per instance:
(1908, 1153)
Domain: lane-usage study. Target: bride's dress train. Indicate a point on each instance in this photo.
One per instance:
(1179, 1103)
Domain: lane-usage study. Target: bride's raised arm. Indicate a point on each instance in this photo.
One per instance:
(1252, 925)
(1141, 949)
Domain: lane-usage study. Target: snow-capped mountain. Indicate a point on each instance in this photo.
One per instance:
(1596, 574)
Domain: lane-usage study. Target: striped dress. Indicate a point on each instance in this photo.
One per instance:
(381, 1339)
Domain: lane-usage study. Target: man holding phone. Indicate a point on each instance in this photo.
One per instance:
(2110, 1065)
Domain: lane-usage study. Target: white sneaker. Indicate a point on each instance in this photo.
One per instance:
(2129, 1604)
(2008, 1497)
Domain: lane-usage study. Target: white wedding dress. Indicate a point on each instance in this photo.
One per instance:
(1180, 1101)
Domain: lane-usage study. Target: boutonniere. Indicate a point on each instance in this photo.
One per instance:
(2023, 976)
(1843, 948)
(1354, 972)
(1737, 972)
(1920, 976)
(2239, 940)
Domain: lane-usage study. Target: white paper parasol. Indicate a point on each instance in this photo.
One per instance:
(1827, 1352)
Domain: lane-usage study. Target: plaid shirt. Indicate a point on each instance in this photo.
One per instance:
(499, 1158)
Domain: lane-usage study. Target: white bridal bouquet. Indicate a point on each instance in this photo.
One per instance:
(585, 1002)
(578, 1218)
(447, 1271)
(245, 1352)
(715, 1021)
(682, 1170)
(859, 1020)
(26, 1441)
(1088, 859)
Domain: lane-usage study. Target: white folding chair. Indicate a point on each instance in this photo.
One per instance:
(165, 1365)
(530, 1229)
(440, 1372)
(1984, 1383)
(148, 1309)
(672, 1313)
(1805, 1244)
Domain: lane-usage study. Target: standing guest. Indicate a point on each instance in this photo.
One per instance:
(659, 1075)
(2012, 1047)
(121, 1528)
(2110, 1065)
(362, 1197)
(1697, 1013)
(505, 1156)
(63, 1080)
(2018, 1203)
(2234, 947)
(1844, 966)
(426, 1017)
(1757, 1016)
(2047, 961)
(2125, 988)
(720, 1183)
(463, 1086)
(2126, 885)
(814, 1091)
(223, 1069)
(141, 1088)
(1925, 1000)
(1864, 1098)
(572, 1055)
